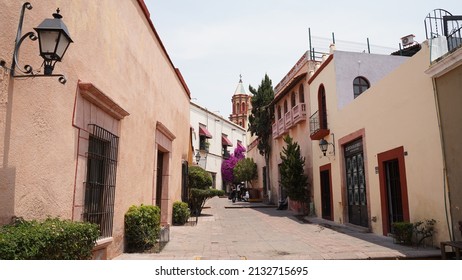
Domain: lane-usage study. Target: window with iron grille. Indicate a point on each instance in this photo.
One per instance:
(101, 179)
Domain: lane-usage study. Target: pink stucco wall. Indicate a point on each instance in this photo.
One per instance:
(116, 50)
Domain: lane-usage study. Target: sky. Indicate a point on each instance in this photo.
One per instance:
(212, 42)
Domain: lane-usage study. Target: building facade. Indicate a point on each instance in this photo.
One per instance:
(446, 73)
(376, 116)
(115, 135)
(214, 139)
(291, 114)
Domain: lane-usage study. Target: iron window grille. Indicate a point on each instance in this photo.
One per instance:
(101, 179)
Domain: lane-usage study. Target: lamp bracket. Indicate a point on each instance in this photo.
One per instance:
(28, 70)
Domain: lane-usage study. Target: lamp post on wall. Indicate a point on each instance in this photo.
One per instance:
(54, 39)
(198, 157)
(324, 145)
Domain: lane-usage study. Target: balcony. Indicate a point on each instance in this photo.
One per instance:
(275, 130)
(317, 130)
(281, 127)
(299, 113)
(455, 39)
(288, 120)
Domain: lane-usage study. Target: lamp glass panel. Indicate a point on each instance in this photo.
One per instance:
(323, 145)
(48, 41)
(62, 46)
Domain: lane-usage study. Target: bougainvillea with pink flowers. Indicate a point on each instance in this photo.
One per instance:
(227, 167)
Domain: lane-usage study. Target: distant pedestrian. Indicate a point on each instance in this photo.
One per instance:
(246, 196)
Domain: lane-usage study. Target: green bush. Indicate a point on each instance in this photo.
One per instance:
(199, 183)
(402, 232)
(199, 178)
(142, 227)
(181, 213)
(52, 239)
(198, 198)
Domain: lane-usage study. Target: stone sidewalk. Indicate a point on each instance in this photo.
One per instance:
(255, 231)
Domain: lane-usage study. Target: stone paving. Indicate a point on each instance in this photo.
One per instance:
(255, 231)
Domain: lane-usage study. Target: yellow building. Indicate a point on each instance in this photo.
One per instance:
(377, 118)
(115, 134)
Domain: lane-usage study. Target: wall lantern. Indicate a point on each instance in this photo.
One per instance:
(54, 39)
(198, 157)
(324, 145)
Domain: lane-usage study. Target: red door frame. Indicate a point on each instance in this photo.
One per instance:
(327, 167)
(397, 153)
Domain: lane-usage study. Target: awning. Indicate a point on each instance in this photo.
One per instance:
(204, 132)
(225, 141)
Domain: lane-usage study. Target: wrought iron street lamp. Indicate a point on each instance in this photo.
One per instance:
(54, 39)
(198, 157)
(324, 145)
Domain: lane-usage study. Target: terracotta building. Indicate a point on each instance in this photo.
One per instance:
(115, 134)
(241, 106)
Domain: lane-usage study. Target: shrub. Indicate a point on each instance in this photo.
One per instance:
(142, 227)
(199, 183)
(198, 198)
(181, 213)
(402, 232)
(293, 178)
(51, 239)
(199, 178)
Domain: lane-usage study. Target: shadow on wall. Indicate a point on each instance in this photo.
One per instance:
(7, 183)
(7, 174)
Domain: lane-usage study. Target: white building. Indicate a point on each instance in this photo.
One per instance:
(214, 138)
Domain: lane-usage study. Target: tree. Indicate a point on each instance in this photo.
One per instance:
(227, 167)
(261, 118)
(293, 178)
(245, 170)
(200, 182)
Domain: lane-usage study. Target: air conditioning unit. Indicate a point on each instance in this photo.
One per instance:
(407, 40)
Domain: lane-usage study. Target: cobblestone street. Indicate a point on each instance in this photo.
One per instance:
(253, 231)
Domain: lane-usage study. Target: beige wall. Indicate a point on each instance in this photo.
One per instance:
(116, 50)
(449, 100)
(398, 110)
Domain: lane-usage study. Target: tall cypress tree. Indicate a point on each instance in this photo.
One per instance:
(293, 178)
(261, 118)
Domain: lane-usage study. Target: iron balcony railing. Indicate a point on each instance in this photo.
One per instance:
(315, 125)
(454, 39)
